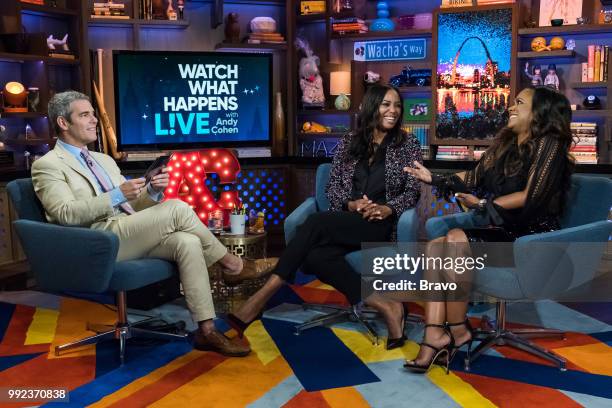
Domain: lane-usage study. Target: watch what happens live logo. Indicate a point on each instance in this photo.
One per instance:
(212, 88)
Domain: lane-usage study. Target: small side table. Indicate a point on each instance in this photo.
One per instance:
(228, 298)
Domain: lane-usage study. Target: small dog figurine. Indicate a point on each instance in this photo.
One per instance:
(54, 42)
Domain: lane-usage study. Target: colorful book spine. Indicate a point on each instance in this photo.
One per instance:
(596, 59)
(590, 61)
(606, 62)
(585, 72)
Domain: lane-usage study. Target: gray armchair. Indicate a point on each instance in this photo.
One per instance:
(84, 260)
(566, 263)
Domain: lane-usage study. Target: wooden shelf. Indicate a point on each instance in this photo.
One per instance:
(128, 23)
(46, 10)
(311, 18)
(13, 57)
(381, 35)
(30, 142)
(326, 134)
(23, 115)
(546, 54)
(594, 113)
(567, 29)
(326, 112)
(460, 142)
(251, 47)
(415, 89)
(589, 85)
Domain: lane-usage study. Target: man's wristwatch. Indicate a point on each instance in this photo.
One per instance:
(482, 204)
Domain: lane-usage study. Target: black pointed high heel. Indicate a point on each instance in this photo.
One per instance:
(439, 352)
(238, 325)
(393, 343)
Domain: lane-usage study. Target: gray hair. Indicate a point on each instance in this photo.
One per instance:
(59, 105)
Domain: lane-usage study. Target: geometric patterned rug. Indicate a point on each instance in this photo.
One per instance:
(324, 367)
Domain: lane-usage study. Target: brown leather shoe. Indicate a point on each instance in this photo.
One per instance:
(219, 343)
(251, 269)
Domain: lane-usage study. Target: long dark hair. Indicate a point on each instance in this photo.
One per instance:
(546, 149)
(369, 119)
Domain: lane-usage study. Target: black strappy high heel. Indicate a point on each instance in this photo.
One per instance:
(393, 343)
(456, 347)
(439, 352)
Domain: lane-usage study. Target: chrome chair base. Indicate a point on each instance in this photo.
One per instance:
(352, 313)
(121, 331)
(497, 335)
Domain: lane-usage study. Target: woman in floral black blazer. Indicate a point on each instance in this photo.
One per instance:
(368, 191)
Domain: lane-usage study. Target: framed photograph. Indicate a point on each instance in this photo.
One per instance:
(568, 10)
(473, 62)
(417, 109)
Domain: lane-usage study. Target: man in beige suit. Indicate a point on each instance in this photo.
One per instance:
(81, 188)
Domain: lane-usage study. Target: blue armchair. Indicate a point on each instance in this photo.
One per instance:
(84, 260)
(406, 232)
(585, 221)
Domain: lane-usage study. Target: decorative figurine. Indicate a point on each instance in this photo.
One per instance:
(181, 9)
(570, 44)
(52, 43)
(556, 43)
(536, 76)
(171, 12)
(371, 77)
(232, 28)
(383, 22)
(539, 44)
(552, 80)
(310, 78)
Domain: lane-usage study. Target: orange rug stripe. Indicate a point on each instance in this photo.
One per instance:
(313, 295)
(171, 381)
(307, 399)
(505, 393)
(344, 397)
(15, 335)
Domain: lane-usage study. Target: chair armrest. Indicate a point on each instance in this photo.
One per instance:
(407, 226)
(68, 258)
(438, 226)
(298, 216)
(551, 263)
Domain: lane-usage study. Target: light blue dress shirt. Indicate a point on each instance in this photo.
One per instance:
(116, 195)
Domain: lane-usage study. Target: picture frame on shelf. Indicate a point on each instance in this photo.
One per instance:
(568, 10)
(417, 109)
(472, 71)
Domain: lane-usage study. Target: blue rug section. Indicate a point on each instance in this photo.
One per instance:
(11, 361)
(604, 337)
(318, 358)
(107, 353)
(133, 369)
(6, 313)
(284, 295)
(537, 374)
(601, 311)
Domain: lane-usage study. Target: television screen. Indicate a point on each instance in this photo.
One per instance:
(189, 100)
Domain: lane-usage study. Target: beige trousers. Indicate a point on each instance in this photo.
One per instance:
(171, 230)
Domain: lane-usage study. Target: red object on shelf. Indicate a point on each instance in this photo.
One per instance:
(188, 173)
(37, 2)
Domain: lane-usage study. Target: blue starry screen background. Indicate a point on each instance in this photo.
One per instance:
(143, 79)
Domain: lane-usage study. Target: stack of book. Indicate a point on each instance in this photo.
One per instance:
(109, 10)
(351, 25)
(453, 153)
(37, 2)
(269, 38)
(596, 67)
(421, 132)
(584, 148)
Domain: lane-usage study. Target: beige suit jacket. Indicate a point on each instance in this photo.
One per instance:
(71, 195)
